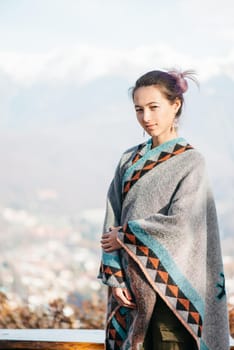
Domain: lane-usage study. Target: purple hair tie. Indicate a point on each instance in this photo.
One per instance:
(181, 81)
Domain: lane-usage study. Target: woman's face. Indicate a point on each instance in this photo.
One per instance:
(154, 112)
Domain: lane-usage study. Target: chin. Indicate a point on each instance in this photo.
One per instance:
(154, 134)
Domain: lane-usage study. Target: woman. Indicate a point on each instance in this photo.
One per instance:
(161, 249)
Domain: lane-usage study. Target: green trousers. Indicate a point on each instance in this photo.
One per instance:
(166, 332)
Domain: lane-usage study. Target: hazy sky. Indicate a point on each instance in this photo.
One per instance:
(65, 113)
(202, 28)
(65, 69)
(60, 39)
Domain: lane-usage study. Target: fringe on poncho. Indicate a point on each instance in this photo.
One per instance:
(170, 246)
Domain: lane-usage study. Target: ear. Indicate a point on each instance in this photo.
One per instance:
(177, 104)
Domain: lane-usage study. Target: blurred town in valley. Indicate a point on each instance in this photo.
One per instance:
(48, 271)
(66, 116)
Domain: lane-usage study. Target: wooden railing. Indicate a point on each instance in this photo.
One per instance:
(55, 339)
(51, 339)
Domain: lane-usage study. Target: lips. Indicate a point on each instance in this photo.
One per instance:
(150, 126)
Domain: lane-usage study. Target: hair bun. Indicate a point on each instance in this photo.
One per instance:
(180, 77)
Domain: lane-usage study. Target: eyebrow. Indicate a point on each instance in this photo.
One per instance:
(149, 103)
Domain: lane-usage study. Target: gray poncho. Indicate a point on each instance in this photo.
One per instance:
(170, 246)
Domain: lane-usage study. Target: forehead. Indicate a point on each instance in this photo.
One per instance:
(146, 94)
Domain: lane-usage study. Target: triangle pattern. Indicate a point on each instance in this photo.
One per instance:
(143, 259)
(172, 291)
(162, 277)
(152, 263)
(150, 164)
(156, 271)
(152, 274)
(183, 304)
(164, 283)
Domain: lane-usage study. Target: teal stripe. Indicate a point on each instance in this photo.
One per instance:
(169, 265)
(118, 328)
(203, 345)
(111, 259)
(151, 153)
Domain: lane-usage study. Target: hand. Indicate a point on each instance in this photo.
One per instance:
(123, 297)
(109, 241)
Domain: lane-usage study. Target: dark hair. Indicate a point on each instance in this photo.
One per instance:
(171, 83)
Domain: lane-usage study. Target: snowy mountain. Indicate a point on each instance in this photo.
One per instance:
(64, 140)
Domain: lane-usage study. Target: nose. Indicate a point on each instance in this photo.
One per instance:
(146, 115)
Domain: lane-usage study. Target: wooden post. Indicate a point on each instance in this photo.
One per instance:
(55, 339)
(32, 345)
(51, 339)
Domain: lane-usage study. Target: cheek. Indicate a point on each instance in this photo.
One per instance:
(139, 118)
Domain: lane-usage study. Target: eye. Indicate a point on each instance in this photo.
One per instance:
(139, 110)
(153, 107)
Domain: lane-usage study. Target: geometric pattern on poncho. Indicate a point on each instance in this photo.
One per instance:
(111, 275)
(150, 164)
(117, 329)
(163, 281)
(138, 155)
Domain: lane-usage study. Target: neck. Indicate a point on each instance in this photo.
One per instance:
(158, 140)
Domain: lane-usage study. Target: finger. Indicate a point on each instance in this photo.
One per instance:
(111, 244)
(105, 240)
(106, 245)
(111, 228)
(127, 303)
(127, 294)
(119, 295)
(108, 250)
(130, 305)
